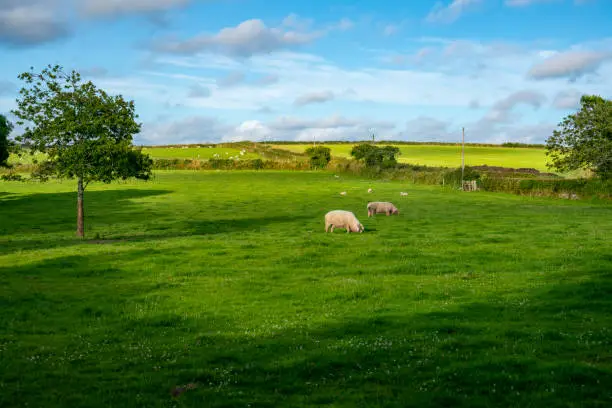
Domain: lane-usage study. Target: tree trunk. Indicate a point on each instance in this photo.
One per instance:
(80, 215)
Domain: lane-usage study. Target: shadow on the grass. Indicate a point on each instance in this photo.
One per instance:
(534, 348)
(26, 218)
(55, 213)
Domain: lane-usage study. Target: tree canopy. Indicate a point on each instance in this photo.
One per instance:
(585, 138)
(373, 155)
(85, 133)
(5, 145)
(320, 156)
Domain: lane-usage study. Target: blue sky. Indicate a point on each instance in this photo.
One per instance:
(225, 70)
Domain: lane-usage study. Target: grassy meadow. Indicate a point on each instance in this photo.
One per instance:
(225, 285)
(194, 153)
(450, 156)
(197, 153)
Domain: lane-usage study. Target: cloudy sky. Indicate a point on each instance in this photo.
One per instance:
(222, 70)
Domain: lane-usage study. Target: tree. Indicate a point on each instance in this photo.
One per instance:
(373, 155)
(585, 138)
(320, 156)
(5, 145)
(85, 133)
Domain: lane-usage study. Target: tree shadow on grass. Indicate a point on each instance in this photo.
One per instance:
(55, 213)
(31, 216)
(214, 226)
(534, 348)
(538, 348)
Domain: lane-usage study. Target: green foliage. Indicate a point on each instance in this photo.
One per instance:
(453, 177)
(11, 176)
(228, 164)
(512, 144)
(5, 145)
(585, 138)
(85, 132)
(562, 188)
(464, 300)
(320, 156)
(375, 156)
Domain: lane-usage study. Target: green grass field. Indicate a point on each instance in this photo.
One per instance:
(450, 156)
(225, 283)
(201, 153)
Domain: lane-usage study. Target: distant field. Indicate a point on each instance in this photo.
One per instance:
(202, 153)
(450, 156)
(25, 159)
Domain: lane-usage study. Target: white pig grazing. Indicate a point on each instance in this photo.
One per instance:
(377, 207)
(342, 219)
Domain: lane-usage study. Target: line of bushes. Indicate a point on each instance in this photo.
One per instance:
(513, 182)
(401, 142)
(256, 145)
(229, 164)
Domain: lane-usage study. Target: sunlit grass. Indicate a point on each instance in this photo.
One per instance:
(225, 284)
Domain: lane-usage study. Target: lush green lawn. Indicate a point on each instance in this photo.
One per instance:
(202, 153)
(226, 281)
(450, 156)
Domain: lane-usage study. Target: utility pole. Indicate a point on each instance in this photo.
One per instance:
(462, 154)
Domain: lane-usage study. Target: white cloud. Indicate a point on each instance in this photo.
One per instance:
(123, 7)
(471, 73)
(231, 79)
(268, 79)
(199, 129)
(344, 24)
(314, 97)
(458, 83)
(450, 12)
(194, 129)
(571, 64)
(31, 22)
(252, 130)
(198, 91)
(523, 3)
(567, 99)
(501, 110)
(248, 38)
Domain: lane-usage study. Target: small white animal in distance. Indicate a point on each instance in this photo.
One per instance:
(403, 193)
(336, 176)
(343, 193)
(369, 190)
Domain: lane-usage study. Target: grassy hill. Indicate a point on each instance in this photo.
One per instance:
(450, 155)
